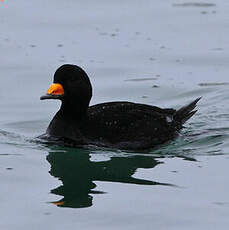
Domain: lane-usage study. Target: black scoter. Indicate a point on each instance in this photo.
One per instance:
(119, 124)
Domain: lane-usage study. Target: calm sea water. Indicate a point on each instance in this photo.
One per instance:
(164, 53)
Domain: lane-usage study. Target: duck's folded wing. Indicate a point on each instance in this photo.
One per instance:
(129, 121)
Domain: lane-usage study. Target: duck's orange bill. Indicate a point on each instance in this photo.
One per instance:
(55, 89)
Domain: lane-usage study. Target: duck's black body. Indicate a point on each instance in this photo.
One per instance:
(122, 125)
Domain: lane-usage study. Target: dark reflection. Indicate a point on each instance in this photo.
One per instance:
(78, 173)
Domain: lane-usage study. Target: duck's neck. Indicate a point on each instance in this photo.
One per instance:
(75, 112)
(68, 120)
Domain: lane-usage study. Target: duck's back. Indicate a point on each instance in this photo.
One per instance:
(129, 125)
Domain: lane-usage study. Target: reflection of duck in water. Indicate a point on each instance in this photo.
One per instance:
(78, 173)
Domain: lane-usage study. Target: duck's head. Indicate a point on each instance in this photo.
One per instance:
(72, 86)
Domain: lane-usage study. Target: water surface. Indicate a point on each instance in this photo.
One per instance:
(164, 53)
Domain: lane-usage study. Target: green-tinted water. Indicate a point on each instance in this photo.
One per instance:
(164, 53)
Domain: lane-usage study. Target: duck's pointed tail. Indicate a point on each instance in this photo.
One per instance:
(186, 112)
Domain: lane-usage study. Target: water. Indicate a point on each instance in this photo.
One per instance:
(164, 53)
